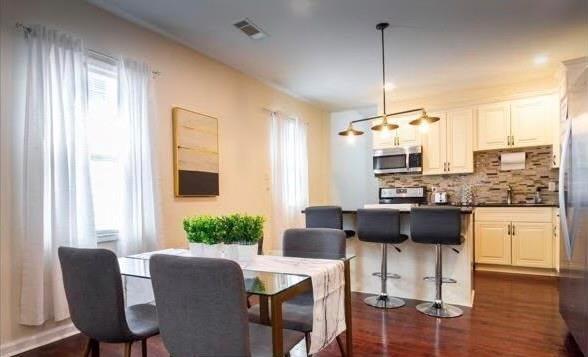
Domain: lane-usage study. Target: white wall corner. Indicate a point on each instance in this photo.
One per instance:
(24, 344)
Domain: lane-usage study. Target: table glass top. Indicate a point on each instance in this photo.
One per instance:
(256, 282)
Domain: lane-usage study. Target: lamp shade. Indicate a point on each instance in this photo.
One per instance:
(424, 119)
(350, 131)
(384, 125)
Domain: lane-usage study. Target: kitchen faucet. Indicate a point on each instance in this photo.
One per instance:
(509, 195)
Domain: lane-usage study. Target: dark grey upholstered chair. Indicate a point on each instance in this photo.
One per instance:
(439, 226)
(381, 226)
(93, 287)
(306, 242)
(326, 217)
(202, 312)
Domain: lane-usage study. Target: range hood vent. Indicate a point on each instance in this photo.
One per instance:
(250, 29)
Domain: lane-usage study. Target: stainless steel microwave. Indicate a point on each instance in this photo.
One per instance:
(398, 159)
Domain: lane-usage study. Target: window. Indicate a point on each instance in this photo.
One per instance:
(105, 144)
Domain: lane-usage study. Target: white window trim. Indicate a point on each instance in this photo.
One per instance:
(102, 235)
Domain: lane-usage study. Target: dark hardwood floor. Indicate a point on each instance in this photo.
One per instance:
(514, 315)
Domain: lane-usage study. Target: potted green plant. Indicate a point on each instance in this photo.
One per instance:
(204, 235)
(246, 231)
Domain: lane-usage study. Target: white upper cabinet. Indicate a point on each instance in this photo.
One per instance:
(460, 141)
(532, 120)
(435, 146)
(383, 139)
(448, 144)
(517, 123)
(407, 134)
(493, 129)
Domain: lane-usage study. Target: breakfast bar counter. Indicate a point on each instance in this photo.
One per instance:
(414, 262)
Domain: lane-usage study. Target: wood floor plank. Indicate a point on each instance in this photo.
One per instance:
(514, 315)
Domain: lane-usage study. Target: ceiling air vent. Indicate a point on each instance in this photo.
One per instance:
(250, 29)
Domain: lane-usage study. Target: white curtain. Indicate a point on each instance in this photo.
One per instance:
(138, 230)
(55, 201)
(289, 164)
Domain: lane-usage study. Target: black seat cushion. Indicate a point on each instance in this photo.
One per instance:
(379, 225)
(436, 225)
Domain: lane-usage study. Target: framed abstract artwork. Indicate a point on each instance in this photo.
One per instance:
(195, 153)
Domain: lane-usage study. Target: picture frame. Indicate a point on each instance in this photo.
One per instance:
(196, 154)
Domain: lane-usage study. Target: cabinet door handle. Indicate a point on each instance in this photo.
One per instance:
(444, 167)
(513, 230)
(448, 166)
(509, 229)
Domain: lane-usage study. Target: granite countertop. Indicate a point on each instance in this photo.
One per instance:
(464, 209)
(516, 204)
(467, 209)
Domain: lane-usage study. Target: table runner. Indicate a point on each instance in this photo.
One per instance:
(328, 283)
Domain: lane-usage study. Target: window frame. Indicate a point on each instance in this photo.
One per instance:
(97, 60)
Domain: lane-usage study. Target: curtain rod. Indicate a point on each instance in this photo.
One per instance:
(28, 30)
(291, 116)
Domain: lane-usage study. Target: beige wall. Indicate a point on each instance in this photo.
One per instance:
(189, 80)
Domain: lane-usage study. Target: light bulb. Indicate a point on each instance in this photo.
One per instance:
(424, 127)
(351, 139)
(385, 133)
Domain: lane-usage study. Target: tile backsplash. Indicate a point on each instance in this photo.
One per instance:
(488, 182)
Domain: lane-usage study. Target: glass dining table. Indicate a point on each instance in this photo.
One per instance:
(271, 288)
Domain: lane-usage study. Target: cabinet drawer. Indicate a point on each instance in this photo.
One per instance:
(514, 214)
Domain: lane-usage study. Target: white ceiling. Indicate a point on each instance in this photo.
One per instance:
(328, 51)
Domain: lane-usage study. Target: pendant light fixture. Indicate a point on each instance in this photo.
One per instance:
(424, 120)
(385, 125)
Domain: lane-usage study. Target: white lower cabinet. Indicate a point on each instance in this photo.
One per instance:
(532, 245)
(492, 243)
(520, 237)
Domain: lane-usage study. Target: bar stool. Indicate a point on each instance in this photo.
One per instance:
(326, 217)
(438, 226)
(381, 226)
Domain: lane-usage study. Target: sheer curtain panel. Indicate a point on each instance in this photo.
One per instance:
(289, 167)
(55, 198)
(138, 231)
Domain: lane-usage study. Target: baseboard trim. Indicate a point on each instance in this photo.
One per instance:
(516, 270)
(40, 339)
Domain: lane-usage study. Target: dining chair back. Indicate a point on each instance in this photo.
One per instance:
(94, 292)
(314, 242)
(324, 217)
(201, 306)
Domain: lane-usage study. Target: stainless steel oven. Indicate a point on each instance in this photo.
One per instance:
(398, 159)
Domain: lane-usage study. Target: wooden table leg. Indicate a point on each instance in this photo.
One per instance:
(348, 322)
(277, 323)
(264, 317)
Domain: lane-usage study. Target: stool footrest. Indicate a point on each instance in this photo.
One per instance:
(443, 280)
(388, 276)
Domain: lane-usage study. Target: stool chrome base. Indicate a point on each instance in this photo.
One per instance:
(439, 309)
(384, 302)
